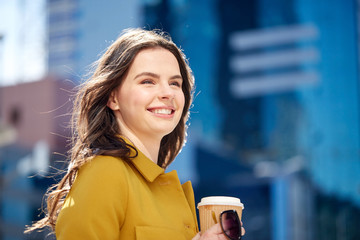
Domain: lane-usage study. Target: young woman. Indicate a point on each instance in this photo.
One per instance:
(129, 124)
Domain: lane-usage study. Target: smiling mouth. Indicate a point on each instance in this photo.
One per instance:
(162, 111)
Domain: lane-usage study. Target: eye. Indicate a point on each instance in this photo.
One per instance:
(147, 81)
(176, 83)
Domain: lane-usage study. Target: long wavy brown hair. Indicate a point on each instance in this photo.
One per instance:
(95, 130)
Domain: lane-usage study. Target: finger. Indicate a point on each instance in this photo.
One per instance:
(215, 229)
(197, 237)
(242, 229)
(214, 232)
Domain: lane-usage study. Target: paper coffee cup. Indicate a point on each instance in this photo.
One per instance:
(216, 204)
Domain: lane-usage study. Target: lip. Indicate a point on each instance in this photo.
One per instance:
(162, 115)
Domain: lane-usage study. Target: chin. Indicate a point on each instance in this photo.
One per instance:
(165, 133)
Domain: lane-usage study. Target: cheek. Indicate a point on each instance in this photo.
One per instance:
(141, 98)
(135, 98)
(182, 100)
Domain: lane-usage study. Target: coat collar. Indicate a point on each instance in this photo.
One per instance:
(148, 169)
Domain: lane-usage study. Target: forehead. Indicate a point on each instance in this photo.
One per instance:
(155, 58)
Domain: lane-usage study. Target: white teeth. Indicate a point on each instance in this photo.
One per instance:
(163, 111)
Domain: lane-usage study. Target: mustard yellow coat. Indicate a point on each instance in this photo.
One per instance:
(113, 199)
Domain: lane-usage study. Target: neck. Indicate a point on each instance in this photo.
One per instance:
(148, 146)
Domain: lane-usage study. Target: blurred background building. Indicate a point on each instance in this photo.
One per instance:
(275, 120)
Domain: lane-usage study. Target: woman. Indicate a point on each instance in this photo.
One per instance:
(129, 124)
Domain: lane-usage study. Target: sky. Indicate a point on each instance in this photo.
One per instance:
(22, 48)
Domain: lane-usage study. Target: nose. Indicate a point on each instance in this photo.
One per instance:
(166, 92)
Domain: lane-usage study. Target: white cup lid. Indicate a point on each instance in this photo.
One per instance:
(221, 200)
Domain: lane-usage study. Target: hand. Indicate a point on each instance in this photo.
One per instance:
(214, 233)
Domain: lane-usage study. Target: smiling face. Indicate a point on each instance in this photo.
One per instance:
(149, 102)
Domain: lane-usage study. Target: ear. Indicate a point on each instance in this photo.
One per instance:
(112, 102)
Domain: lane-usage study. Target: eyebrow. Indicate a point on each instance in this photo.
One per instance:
(154, 75)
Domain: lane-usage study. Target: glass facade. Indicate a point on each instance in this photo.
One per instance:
(277, 111)
(275, 119)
